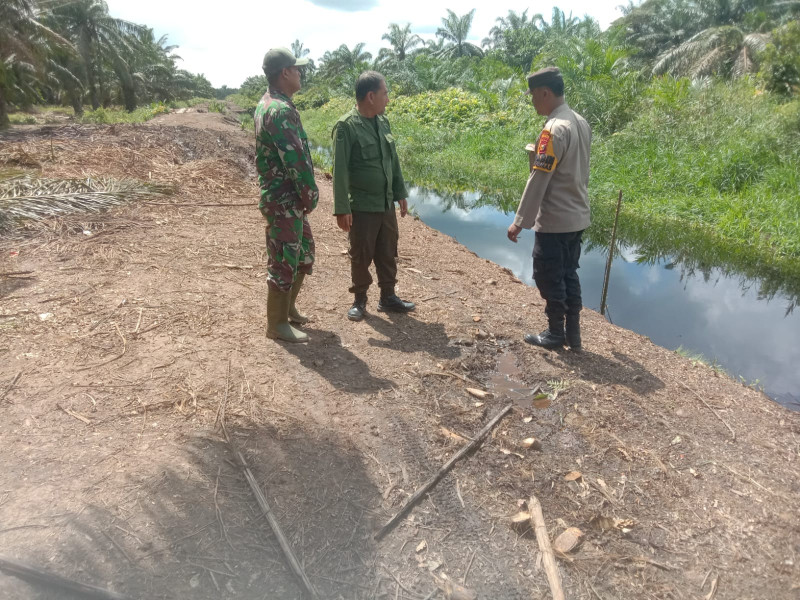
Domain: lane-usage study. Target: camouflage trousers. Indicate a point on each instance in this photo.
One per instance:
(290, 245)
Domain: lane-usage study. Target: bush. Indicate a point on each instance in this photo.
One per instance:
(215, 106)
(313, 98)
(780, 65)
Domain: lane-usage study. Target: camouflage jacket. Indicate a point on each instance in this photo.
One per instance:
(283, 159)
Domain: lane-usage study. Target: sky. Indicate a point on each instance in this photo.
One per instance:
(227, 41)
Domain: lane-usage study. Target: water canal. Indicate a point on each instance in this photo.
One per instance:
(716, 314)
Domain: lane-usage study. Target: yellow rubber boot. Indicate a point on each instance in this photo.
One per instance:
(278, 318)
(295, 316)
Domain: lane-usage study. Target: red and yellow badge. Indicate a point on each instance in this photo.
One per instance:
(545, 156)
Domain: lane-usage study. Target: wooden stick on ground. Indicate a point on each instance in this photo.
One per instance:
(288, 553)
(29, 573)
(548, 558)
(418, 495)
(709, 407)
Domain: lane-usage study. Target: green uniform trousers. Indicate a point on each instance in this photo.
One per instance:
(373, 238)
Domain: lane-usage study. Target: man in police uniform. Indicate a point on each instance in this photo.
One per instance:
(555, 204)
(288, 193)
(367, 181)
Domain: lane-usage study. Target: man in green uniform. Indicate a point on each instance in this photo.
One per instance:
(555, 204)
(288, 193)
(367, 181)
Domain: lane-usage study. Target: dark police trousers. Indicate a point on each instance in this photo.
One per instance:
(555, 271)
(373, 238)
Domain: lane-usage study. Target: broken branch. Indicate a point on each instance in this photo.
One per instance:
(548, 558)
(417, 496)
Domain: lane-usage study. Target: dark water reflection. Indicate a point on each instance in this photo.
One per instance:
(744, 324)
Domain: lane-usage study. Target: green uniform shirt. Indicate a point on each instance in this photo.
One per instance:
(366, 170)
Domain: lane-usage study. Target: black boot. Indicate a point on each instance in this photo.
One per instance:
(359, 309)
(391, 303)
(573, 331)
(550, 338)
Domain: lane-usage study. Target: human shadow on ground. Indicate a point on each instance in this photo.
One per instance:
(326, 355)
(406, 333)
(185, 524)
(622, 371)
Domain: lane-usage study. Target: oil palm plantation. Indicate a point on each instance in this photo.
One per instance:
(25, 52)
(102, 42)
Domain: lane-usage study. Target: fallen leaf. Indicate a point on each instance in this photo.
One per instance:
(451, 434)
(521, 522)
(476, 319)
(568, 540)
(573, 476)
(480, 394)
(421, 546)
(532, 443)
(433, 565)
(453, 591)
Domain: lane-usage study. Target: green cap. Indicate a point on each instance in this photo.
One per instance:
(280, 58)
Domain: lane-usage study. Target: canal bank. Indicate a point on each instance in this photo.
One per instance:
(720, 318)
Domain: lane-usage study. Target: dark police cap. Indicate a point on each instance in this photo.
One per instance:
(544, 77)
(278, 59)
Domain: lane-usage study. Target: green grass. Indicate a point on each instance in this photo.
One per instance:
(120, 115)
(710, 176)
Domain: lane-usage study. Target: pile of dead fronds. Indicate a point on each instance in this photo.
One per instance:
(26, 197)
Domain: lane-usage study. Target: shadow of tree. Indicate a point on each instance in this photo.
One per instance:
(326, 356)
(622, 371)
(186, 525)
(408, 334)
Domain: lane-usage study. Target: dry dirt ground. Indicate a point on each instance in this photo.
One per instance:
(122, 351)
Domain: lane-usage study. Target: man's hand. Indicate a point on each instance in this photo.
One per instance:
(403, 207)
(513, 232)
(345, 222)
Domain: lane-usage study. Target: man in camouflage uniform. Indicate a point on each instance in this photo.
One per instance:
(288, 193)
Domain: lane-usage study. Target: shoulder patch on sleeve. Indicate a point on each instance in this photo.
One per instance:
(545, 156)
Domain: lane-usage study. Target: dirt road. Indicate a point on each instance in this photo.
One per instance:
(135, 332)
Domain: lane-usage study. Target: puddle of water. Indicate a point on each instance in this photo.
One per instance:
(505, 383)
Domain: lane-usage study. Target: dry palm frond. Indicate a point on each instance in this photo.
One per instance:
(34, 198)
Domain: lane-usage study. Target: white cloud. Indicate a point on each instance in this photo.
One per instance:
(227, 45)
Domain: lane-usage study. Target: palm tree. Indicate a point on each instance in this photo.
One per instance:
(101, 40)
(343, 60)
(725, 50)
(25, 44)
(516, 38)
(298, 50)
(401, 39)
(455, 30)
(695, 38)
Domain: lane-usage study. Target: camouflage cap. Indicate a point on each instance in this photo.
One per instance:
(281, 58)
(545, 77)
